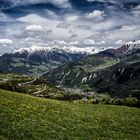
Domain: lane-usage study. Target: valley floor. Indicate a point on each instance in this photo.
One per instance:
(23, 117)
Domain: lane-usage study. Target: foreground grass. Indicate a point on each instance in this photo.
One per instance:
(23, 117)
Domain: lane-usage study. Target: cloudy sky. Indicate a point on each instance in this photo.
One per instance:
(80, 23)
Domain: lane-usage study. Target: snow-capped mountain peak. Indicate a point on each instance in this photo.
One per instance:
(54, 54)
(132, 46)
(126, 49)
(133, 42)
(32, 49)
(60, 49)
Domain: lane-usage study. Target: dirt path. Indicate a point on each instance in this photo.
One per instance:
(40, 90)
(27, 83)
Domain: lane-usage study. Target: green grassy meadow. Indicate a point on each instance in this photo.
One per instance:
(23, 117)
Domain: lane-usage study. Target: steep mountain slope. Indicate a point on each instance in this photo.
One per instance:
(36, 60)
(120, 80)
(115, 71)
(128, 48)
(75, 73)
(27, 118)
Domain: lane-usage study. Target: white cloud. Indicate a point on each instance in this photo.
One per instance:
(105, 25)
(119, 42)
(89, 42)
(34, 28)
(137, 7)
(125, 35)
(41, 23)
(113, 1)
(95, 0)
(136, 11)
(72, 18)
(96, 15)
(74, 42)
(33, 18)
(100, 43)
(59, 42)
(6, 41)
(64, 43)
(129, 27)
(74, 35)
(4, 17)
(91, 0)
(38, 20)
(74, 49)
(60, 3)
(63, 25)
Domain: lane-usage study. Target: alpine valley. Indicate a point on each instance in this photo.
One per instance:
(113, 71)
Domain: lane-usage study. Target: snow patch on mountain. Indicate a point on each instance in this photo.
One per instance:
(71, 49)
(133, 42)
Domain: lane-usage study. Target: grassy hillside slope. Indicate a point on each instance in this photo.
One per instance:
(23, 117)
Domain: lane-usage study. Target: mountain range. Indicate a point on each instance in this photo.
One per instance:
(113, 71)
(37, 60)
